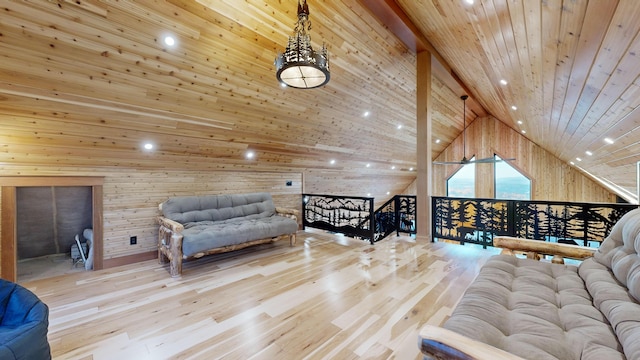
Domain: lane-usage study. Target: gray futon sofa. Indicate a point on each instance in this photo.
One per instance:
(194, 226)
(524, 308)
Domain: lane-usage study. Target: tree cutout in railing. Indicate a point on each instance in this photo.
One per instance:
(572, 223)
(479, 220)
(354, 216)
(407, 214)
(347, 215)
(336, 211)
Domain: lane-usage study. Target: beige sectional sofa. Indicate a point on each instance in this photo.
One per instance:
(525, 308)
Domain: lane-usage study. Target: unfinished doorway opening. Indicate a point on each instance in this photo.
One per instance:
(49, 218)
(11, 187)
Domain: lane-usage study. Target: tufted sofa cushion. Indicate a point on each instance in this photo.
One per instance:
(204, 235)
(536, 310)
(186, 209)
(540, 310)
(612, 277)
(619, 252)
(217, 221)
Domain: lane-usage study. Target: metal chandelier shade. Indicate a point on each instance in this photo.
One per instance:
(300, 66)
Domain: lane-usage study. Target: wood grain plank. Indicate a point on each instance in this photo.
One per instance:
(360, 301)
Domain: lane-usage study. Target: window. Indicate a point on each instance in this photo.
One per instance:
(510, 184)
(463, 182)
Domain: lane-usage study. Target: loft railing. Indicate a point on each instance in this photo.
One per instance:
(355, 217)
(477, 221)
(342, 214)
(397, 214)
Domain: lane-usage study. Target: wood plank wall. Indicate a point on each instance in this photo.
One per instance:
(371, 182)
(131, 197)
(552, 179)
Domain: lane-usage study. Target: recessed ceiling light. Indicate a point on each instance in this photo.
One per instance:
(393, 167)
(503, 82)
(579, 159)
(399, 126)
(368, 165)
(169, 40)
(437, 141)
(513, 107)
(519, 122)
(608, 141)
(366, 113)
(388, 193)
(410, 169)
(470, 2)
(368, 194)
(332, 162)
(148, 146)
(523, 131)
(572, 163)
(249, 155)
(588, 152)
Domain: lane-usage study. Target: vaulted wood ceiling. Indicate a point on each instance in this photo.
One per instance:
(86, 83)
(572, 72)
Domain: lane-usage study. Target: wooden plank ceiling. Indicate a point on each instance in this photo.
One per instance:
(87, 83)
(571, 67)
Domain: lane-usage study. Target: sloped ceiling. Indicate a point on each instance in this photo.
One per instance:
(572, 71)
(87, 83)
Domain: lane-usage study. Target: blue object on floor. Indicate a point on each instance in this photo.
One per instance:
(24, 322)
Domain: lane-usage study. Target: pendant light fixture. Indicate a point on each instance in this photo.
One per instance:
(300, 66)
(464, 160)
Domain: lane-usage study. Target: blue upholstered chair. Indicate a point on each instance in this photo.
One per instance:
(24, 322)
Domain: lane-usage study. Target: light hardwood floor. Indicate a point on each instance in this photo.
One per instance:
(46, 267)
(328, 297)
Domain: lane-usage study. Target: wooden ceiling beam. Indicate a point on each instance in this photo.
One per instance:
(391, 15)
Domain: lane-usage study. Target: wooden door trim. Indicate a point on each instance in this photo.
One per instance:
(8, 265)
(24, 181)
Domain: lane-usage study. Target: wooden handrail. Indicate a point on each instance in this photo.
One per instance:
(533, 248)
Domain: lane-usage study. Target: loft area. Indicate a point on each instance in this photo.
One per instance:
(181, 97)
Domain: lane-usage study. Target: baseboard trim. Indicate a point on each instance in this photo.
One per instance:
(129, 259)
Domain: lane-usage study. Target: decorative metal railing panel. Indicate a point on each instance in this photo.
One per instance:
(398, 215)
(479, 220)
(352, 216)
(407, 209)
(348, 215)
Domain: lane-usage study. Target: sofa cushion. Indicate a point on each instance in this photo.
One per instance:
(536, 310)
(205, 235)
(612, 277)
(619, 252)
(185, 209)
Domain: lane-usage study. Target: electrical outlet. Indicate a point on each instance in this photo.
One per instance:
(133, 240)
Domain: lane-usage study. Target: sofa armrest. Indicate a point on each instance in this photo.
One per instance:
(439, 343)
(170, 244)
(534, 248)
(292, 213)
(170, 224)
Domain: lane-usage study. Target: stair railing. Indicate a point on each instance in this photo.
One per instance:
(355, 217)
